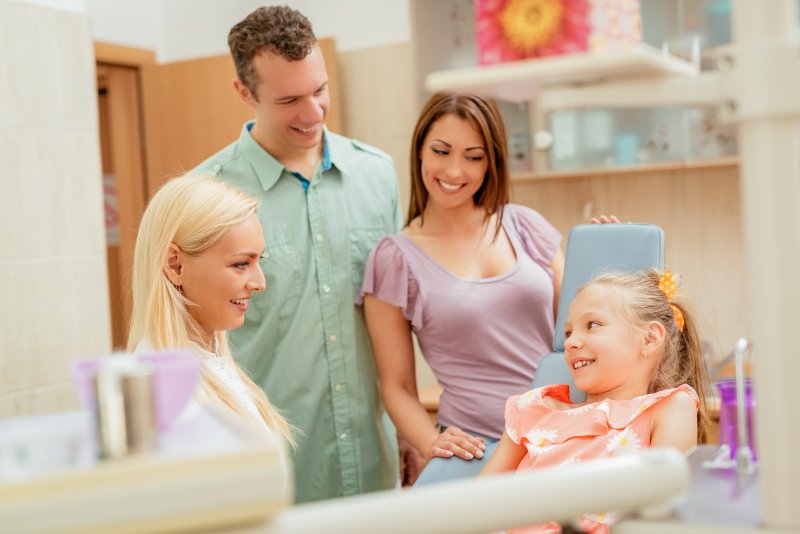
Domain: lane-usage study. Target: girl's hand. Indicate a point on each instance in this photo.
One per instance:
(605, 220)
(455, 442)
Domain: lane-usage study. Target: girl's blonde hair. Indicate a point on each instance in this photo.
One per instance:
(193, 212)
(641, 301)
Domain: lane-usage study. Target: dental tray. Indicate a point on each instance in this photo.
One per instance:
(208, 472)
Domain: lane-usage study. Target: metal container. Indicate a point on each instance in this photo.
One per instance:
(126, 420)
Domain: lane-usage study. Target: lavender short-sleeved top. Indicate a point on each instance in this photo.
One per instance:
(482, 338)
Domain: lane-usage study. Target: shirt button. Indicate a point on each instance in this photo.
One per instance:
(326, 289)
(333, 337)
(342, 437)
(319, 237)
(370, 234)
(338, 387)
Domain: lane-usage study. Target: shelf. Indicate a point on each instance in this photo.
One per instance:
(642, 168)
(521, 80)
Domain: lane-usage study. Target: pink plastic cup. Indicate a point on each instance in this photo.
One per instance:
(174, 381)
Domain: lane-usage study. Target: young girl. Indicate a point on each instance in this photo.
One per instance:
(635, 350)
(195, 265)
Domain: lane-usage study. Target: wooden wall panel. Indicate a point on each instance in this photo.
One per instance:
(699, 210)
(123, 55)
(380, 103)
(190, 112)
(334, 121)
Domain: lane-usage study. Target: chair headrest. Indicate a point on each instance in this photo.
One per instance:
(596, 248)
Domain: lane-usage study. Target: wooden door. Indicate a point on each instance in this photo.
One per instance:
(123, 183)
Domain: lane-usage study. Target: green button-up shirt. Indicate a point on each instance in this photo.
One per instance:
(303, 340)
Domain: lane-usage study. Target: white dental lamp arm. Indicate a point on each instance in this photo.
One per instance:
(494, 503)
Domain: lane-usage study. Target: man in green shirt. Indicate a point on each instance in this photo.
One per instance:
(325, 201)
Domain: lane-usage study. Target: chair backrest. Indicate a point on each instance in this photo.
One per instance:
(592, 249)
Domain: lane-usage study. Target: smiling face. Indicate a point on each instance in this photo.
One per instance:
(603, 350)
(291, 102)
(453, 162)
(220, 280)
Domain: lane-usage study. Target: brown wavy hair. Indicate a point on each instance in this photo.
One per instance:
(484, 115)
(279, 30)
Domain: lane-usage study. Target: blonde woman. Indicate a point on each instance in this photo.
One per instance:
(195, 266)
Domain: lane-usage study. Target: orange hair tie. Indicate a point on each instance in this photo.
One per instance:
(668, 286)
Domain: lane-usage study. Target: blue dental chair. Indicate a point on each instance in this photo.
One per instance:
(591, 249)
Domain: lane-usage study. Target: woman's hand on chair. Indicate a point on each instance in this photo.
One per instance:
(602, 219)
(455, 442)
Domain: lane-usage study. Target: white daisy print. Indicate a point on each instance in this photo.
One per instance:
(579, 409)
(540, 441)
(526, 399)
(624, 442)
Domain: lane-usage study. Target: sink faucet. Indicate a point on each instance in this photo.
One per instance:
(744, 455)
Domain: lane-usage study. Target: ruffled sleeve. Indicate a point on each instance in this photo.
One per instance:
(620, 414)
(389, 278)
(523, 411)
(529, 419)
(540, 239)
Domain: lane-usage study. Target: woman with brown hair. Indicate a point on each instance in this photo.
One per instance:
(476, 278)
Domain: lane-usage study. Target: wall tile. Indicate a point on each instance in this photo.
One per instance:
(57, 398)
(76, 71)
(53, 275)
(51, 200)
(34, 91)
(53, 313)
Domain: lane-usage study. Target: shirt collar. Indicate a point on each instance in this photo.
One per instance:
(268, 169)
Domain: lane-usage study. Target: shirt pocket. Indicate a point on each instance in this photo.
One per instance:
(362, 241)
(281, 266)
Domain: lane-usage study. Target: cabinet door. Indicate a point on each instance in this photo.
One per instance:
(190, 112)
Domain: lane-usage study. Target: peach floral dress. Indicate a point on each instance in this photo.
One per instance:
(599, 430)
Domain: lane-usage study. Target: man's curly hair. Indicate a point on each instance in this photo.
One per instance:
(279, 30)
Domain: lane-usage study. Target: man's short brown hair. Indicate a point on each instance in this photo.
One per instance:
(279, 30)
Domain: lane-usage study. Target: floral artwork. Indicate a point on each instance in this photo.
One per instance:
(616, 25)
(509, 30)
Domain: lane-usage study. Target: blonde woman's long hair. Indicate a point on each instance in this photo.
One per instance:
(193, 212)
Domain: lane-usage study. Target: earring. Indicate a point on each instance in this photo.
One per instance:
(645, 354)
(179, 288)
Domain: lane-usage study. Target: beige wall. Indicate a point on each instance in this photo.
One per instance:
(379, 102)
(53, 288)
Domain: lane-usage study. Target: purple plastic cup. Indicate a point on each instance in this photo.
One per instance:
(728, 424)
(174, 381)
